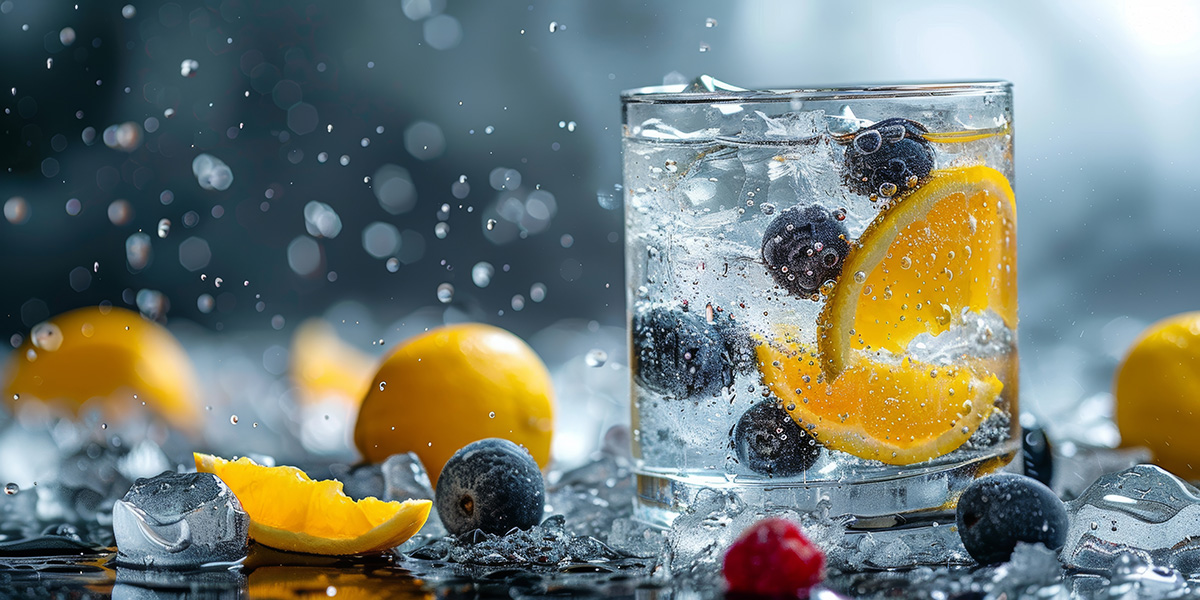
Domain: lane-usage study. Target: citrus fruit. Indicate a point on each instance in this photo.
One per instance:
(1157, 392)
(323, 367)
(898, 414)
(948, 247)
(291, 512)
(452, 386)
(105, 353)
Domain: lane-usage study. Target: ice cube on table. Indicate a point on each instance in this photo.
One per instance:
(180, 520)
(404, 477)
(1143, 511)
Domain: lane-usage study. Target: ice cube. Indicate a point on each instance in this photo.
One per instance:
(789, 128)
(404, 477)
(1142, 511)
(180, 520)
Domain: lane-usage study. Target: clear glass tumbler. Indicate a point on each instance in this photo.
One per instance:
(822, 298)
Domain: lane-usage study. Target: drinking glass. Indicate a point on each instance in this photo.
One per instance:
(822, 301)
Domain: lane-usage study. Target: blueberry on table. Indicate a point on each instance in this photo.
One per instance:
(1038, 454)
(768, 441)
(997, 511)
(888, 157)
(492, 485)
(804, 247)
(680, 353)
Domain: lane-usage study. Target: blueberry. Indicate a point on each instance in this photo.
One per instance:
(680, 353)
(768, 441)
(804, 247)
(996, 512)
(1039, 455)
(888, 157)
(492, 485)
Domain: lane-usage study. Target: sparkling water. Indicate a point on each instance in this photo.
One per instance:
(708, 169)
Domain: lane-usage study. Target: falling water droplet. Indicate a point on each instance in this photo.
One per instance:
(445, 293)
(596, 358)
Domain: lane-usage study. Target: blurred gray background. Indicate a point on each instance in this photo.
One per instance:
(509, 111)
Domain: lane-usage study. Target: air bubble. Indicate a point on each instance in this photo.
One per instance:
(11, 489)
(441, 230)
(382, 385)
(445, 293)
(233, 419)
(164, 227)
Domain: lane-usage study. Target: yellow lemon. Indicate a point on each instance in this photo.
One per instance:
(325, 367)
(1157, 392)
(291, 512)
(452, 386)
(107, 353)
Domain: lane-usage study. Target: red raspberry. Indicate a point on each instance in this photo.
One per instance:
(773, 558)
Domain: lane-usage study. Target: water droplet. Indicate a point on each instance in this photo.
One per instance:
(104, 426)
(382, 385)
(595, 358)
(11, 489)
(128, 11)
(555, 27)
(218, 281)
(482, 273)
(767, 208)
(445, 293)
(492, 415)
(887, 189)
(859, 276)
(441, 230)
(233, 419)
(710, 22)
(491, 224)
(704, 47)
(905, 262)
(164, 227)
(537, 292)
(393, 265)
(46, 336)
(188, 67)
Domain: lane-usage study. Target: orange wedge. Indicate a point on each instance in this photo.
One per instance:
(898, 414)
(948, 247)
(291, 512)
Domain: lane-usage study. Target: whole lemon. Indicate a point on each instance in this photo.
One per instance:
(452, 386)
(106, 353)
(1158, 394)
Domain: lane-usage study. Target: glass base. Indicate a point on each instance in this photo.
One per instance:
(915, 507)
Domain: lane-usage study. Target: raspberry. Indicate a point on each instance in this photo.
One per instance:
(772, 557)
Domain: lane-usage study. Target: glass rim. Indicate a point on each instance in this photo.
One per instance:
(674, 94)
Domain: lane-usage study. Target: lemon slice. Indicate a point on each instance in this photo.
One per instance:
(898, 414)
(290, 511)
(948, 247)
